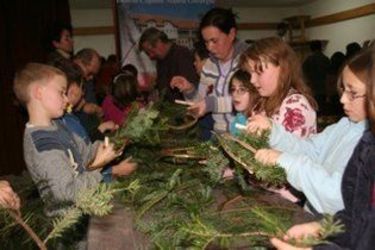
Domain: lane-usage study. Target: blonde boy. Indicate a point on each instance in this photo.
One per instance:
(52, 153)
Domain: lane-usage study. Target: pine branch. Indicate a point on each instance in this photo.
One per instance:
(242, 149)
(329, 228)
(65, 221)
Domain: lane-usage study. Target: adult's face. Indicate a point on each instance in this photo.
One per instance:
(218, 43)
(66, 42)
(92, 68)
(154, 52)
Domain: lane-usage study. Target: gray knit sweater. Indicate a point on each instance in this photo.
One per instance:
(53, 157)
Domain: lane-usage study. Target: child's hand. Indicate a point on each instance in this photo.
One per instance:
(267, 156)
(302, 230)
(281, 245)
(126, 167)
(92, 108)
(297, 232)
(8, 198)
(104, 155)
(258, 123)
(107, 126)
(182, 84)
(198, 109)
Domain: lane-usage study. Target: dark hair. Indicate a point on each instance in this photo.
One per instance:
(201, 50)
(112, 58)
(223, 19)
(359, 65)
(55, 33)
(352, 49)
(130, 68)
(72, 71)
(124, 89)
(152, 35)
(316, 45)
(337, 59)
(244, 77)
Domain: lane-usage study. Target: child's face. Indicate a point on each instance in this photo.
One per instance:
(198, 63)
(240, 96)
(53, 97)
(353, 98)
(266, 81)
(74, 94)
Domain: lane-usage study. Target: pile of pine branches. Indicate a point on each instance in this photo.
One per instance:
(178, 194)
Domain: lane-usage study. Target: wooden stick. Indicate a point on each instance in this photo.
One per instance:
(243, 144)
(183, 102)
(17, 217)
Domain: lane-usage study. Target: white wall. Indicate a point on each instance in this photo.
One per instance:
(341, 33)
(104, 44)
(338, 34)
(261, 15)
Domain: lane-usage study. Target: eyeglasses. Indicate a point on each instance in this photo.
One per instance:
(351, 95)
(239, 91)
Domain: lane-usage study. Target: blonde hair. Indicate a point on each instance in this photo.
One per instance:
(32, 73)
(276, 51)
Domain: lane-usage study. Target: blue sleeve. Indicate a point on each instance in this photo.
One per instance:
(322, 189)
(240, 119)
(107, 174)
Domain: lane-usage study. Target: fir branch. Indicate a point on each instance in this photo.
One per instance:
(142, 125)
(243, 154)
(271, 223)
(329, 228)
(158, 195)
(65, 221)
(95, 201)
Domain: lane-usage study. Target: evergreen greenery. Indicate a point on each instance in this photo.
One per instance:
(178, 194)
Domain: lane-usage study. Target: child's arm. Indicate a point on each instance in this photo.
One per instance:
(124, 168)
(107, 126)
(56, 175)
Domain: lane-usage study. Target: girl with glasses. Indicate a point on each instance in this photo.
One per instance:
(315, 165)
(357, 186)
(244, 97)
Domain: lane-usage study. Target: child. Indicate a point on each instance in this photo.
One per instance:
(358, 189)
(74, 94)
(244, 97)
(315, 165)
(52, 153)
(117, 105)
(276, 74)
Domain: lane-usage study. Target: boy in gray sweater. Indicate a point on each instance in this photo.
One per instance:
(54, 156)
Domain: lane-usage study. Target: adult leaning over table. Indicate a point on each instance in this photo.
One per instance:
(218, 29)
